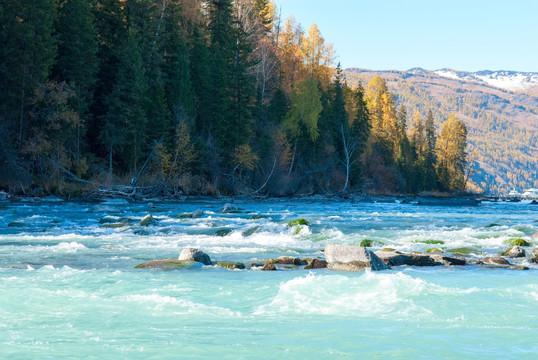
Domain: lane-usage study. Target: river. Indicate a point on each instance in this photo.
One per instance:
(69, 287)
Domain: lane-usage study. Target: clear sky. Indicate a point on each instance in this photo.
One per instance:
(467, 35)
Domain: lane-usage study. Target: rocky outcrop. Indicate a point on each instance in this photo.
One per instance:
(396, 258)
(352, 258)
(147, 220)
(193, 254)
(316, 264)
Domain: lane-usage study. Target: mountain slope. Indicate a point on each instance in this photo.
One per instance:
(500, 109)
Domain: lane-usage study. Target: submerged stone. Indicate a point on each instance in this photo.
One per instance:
(250, 231)
(169, 264)
(434, 250)
(112, 225)
(229, 208)
(352, 258)
(16, 224)
(465, 251)
(223, 232)
(429, 242)
(258, 217)
(193, 254)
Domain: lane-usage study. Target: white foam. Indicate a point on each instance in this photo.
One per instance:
(382, 295)
(181, 306)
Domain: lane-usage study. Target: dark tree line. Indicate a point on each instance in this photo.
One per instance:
(200, 97)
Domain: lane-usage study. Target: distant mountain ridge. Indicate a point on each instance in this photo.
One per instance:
(500, 109)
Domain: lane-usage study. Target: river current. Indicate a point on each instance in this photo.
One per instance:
(70, 289)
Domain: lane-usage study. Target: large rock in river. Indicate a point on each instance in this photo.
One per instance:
(193, 254)
(395, 258)
(352, 258)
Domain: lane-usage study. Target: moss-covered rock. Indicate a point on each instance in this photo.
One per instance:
(250, 231)
(434, 251)
(366, 243)
(388, 249)
(465, 251)
(169, 264)
(258, 217)
(183, 216)
(297, 222)
(231, 265)
(223, 232)
(430, 242)
(517, 242)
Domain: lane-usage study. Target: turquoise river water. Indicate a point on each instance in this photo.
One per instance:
(69, 288)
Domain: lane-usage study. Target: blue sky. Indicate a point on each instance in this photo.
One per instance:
(466, 35)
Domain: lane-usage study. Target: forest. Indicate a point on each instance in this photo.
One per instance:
(190, 97)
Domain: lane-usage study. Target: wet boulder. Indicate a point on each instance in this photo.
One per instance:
(495, 260)
(316, 264)
(193, 254)
(398, 259)
(269, 267)
(147, 220)
(514, 252)
(229, 207)
(197, 213)
(287, 260)
(352, 258)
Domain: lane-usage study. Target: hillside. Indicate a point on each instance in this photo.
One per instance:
(500, 109)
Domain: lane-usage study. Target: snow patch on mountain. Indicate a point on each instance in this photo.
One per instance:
(508, 80)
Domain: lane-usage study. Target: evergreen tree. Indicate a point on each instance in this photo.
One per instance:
(126, 119)
(27, 52)
(430, 159)
(77, 61)
(110, 22)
